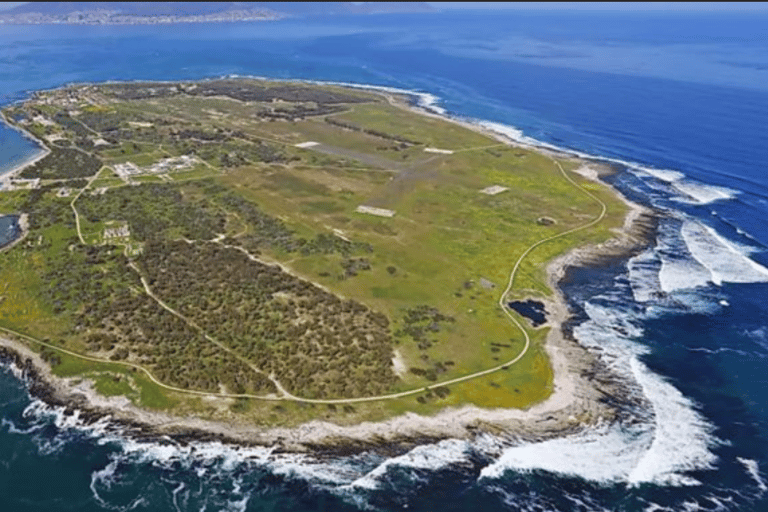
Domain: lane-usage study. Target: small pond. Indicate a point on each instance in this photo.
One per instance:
(531, 309)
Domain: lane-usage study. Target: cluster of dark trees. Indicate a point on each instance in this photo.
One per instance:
(150, 209)
(153, 210)
(404, 143)
(63, 163)
(217, 135)
(420, 321)
(242, 90)
(111, 121)
(95, 287)
(44, 211)
(68, 123)
(231, 154)
(325, 243)
(352, 266)
(315, 343)
(268, 231)
(433, 371)
(298, 112)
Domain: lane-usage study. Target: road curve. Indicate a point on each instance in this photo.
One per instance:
(286, 395)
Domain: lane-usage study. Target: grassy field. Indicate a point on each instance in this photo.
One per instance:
(435, 270)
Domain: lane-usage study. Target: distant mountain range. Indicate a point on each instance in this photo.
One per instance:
(94, 13)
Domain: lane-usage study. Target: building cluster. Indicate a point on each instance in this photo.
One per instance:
(117, 232)
(179, 163)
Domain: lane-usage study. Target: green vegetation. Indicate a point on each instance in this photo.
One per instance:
(64, 163)
(251, 273)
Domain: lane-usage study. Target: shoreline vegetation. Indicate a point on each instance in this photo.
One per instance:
(580, 382)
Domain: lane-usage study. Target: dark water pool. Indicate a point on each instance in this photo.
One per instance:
(533, 310)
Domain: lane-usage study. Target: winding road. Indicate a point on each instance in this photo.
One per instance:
(284, 393)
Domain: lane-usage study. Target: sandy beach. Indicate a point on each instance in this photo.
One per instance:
(580, 381)
(8, 176)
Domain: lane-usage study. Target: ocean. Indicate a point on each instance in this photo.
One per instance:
(676, 101)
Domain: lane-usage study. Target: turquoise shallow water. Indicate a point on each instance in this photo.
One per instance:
(680, 99)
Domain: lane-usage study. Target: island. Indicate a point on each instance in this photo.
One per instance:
(312, 265)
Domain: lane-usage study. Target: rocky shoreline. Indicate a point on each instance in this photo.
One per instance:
(585, 392)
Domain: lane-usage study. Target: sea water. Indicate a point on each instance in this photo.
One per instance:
(677, 101)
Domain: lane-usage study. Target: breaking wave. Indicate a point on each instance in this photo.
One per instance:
(753, 470)
(690, 255)
(724, 260)
(666, 437)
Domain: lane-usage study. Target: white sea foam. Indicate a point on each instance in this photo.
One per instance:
(13, 429)
(699, 193)
(430, 102)
(692, 256)
(678, 270)
(694, 191)
(759, 335)
(666, 175)
(667, 438)
(754, 471)
(644, 275)
(429, 457)
(724, 260)
(681, 436)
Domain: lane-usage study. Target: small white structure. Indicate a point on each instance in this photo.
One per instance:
(165, 165)
(372, 210)
(117, 232)
(172, 164)
(126, 169)
(493, 190)
(308, 144)
(43, 121)
(54, 137)
(440, 151)
(100, 142)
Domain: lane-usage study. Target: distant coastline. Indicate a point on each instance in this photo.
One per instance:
(112, 18)
(130, 13)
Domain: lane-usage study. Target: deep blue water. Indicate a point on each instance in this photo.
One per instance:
(681, 99)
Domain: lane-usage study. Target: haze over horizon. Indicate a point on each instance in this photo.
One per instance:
(572, 6)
